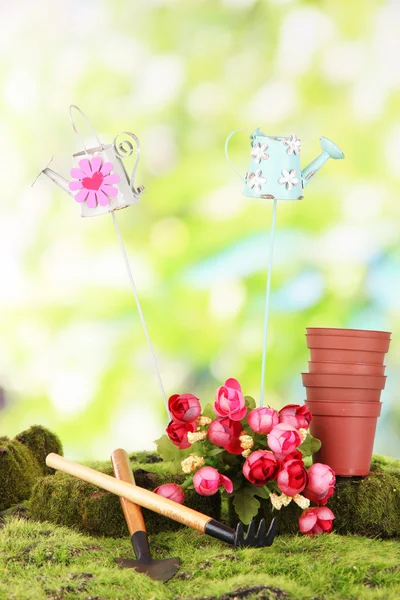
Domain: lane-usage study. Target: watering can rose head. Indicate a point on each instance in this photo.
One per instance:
(274, 171)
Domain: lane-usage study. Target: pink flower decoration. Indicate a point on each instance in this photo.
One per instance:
(94, 182)
(225, 433)
(321, 483)
(283, 439)
(295, 455)
(207, 481)
(296, 415)
(263, 419)
(229, 401)
(292, 477)
(184, 408)
(178, 433)
(316, 520)
(173, 491)
(260, 467)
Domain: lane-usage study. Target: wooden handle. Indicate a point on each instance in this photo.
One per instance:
(123, 471)
(145, 498)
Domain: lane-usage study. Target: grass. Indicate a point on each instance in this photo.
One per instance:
(41, 561)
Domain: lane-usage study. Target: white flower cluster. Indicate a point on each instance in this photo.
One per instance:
(283, 500)
(197, 436)
(202, 421)
(192, 463)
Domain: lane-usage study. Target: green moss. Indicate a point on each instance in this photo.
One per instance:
(22, 463)
(41, 561)
(64, 500)
(19, 471)
(368, 506)
(41, 442)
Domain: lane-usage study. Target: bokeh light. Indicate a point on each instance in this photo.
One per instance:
(181, 76)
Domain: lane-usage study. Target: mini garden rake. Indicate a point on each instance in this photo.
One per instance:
(169, 508)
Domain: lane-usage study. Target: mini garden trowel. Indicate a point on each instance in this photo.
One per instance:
(160, 570)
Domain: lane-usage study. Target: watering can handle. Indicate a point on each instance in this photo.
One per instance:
(87, 122)
(123, 150)
(232, 133)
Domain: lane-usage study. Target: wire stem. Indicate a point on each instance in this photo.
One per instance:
(133, 286)
(267, 301)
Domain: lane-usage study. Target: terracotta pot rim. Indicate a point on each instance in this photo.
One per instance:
(328, 380)
(348, 332)
(358, 410)
(324, 401)
(338, 362)
(342, 342)
(316, 394)
(340, 368)
(347, 355)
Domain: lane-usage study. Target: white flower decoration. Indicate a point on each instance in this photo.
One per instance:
(301, 501)
(279, 501)
(258, 152)
(293, 144)
(289, 179)
(256, 181)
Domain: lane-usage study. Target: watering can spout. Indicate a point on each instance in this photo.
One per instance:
(57, 179)
(329, 150)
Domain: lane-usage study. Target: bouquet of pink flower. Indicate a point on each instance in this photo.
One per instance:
(250, 452)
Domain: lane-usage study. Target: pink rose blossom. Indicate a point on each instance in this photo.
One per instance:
(262, 420)
(229, 401)
(184, 408)
(321, 483)
(316, 520)
(295, 455)
(178, 433)
(173, 491)
(292, 477)
(284, 439)
(296, 415)
(207, 481)
(225, 433)
(260, 467)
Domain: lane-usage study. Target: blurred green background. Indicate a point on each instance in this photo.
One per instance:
(182, 75)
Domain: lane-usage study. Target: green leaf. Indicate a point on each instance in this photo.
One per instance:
(260, 440)
(208, 411)
(171, 453)
(250, 402)
(215, 452)
(262, 492)
(246, 505)
(310, 445)
(167, 450)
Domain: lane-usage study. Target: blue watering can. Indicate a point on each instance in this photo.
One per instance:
(274, 171)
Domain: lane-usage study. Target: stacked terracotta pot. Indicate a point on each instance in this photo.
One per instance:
(343, 387)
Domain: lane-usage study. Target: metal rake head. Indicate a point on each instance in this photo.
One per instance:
(252, 539)
(238, 539)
